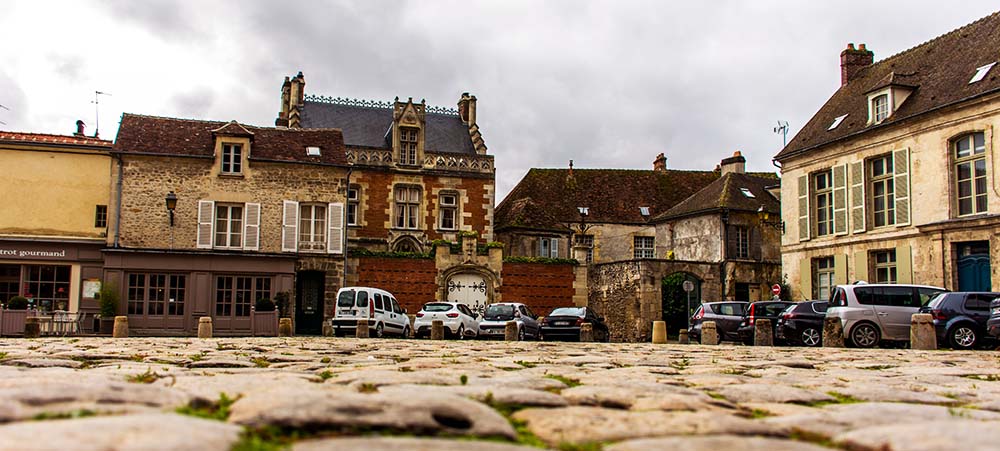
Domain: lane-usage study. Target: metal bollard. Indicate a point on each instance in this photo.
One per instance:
(510, 331)
(121, 327)
(32, 329)
(659, 332)
(709, 333)
(285, 327)
(762, 333)
(205, 327)
(437, 330)
(682, 337)
(586, 332)
(833, 333)
(362, 330)
(922, 334)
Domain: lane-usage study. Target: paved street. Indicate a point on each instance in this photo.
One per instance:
(322, 393)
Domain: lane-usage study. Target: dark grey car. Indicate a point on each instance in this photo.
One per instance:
(727, 317)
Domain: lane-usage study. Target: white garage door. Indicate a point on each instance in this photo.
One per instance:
(469, 289)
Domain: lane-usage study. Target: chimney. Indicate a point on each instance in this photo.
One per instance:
(286, 89)
(853, 60)
(735, 164)
(295, 100)
(467, 108)
(79, 128)
(660, 163)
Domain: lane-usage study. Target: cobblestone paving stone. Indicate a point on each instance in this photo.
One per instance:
(326, 393)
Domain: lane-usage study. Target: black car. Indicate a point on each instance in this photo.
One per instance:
(960, 318)
(564, 323)
(993, 325)
(726, 315)
(760, 310)
(802, 323)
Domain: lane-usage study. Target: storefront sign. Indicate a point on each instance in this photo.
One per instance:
(22, 253)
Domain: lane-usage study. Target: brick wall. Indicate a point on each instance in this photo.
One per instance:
(412, 281)
(542, 287)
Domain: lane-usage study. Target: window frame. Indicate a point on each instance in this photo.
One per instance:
(249, 286)
(823, 267)
(886, 265)
(445, 209)
(976, 156)
(409, 138)
(876, 111)
(101, 216)
(643, 251)
(588, 241)
(406, 211)
(229, 221)
(174, 286)
(353, 205)
(317, 227)
(826, 194)
(231, 162)
(742, 245)
(885, 181)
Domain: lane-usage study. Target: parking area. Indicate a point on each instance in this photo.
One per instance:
(331, 393)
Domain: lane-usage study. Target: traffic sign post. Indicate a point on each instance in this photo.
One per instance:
(776, 289)
(688, 287)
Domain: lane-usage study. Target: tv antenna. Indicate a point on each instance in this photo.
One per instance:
(97, 112)
(782, 129)
(4, 107)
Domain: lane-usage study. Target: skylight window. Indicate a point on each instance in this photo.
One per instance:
(837, 121)
(981, 72)
(747, 193)
(644, 211)
(312, 151)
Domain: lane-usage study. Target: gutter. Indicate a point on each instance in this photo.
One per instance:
(118, 208)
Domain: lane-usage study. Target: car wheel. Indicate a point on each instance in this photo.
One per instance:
(379, 330)
(406, 332)
(962, 336)
(811, 337)
(461, 332)
(865, 335)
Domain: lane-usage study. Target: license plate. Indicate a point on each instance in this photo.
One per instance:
(497, 331)
(996, 311)
(560, 323)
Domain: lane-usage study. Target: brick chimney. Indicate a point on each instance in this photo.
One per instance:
(660, 163)
(467, 108)
(292, 100)
(79, 128)
(853, 60)
(735, 164)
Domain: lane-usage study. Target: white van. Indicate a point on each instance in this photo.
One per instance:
(379, 307)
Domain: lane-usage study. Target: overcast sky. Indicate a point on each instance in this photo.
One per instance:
(604, 83)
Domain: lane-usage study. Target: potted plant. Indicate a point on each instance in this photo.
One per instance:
(107, 300)
(264, 305)
(17, 303)
(281, 302)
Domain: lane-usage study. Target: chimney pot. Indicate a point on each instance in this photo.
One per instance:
(79, 128)
(660, 163)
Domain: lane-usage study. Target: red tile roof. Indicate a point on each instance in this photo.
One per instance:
(189, 137)
(45, 138)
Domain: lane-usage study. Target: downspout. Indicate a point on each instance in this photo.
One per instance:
(347, 202)
(725, 253)
(118, 208)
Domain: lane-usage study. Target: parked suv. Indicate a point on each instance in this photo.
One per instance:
(960, 318)
(760, 310)
(802, 323)
(496, 316)
(458, 319)
(871, 313)
(993, 325)
(727, 317)
(379, 307)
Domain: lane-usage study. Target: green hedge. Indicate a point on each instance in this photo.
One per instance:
(543, 260)
(388, 254)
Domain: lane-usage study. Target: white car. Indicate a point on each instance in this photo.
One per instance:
(459, 321)
(379, 307)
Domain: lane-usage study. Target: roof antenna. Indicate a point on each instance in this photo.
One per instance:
(8, 109)
(97, 112)
(782, 129)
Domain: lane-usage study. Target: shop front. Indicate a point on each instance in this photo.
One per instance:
(52, 275)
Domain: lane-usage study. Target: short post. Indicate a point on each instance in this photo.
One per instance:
(32, 329)
(709, 334)
(362, 330)
(682, 337)
(285, 327)
(586, 332)
(659, 332)
(762, 333)
(833, 333)
(205, 327)
(437, 330)
(510, 331)
(327, 329)
(121, 327)
(922, 334)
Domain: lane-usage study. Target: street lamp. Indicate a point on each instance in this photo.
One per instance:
(171, 205)
(764, 217)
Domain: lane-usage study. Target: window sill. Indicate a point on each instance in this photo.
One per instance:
(231, 175)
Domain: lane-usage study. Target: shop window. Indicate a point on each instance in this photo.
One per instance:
(10, 282)
(235, 294)
(155, 294)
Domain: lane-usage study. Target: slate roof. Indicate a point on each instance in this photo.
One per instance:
(189, 137)
(44, 138)
(726, 193)
(367, 126)
(940, 69)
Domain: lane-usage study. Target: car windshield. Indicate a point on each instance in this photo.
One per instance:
(568, 311)
(437, 307)
(499, 312)
(346, 299)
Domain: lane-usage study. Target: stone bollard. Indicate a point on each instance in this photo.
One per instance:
(437, 330)
(205, 327)
(709, 334)
(586, 333)
(362, 330)
(762, 333)
(32, 329)
(510, 331)
(922, 333)
(121, 327)
(285, 327)
(833, 333)
(659, 332)
(327, 329)
(682, 337)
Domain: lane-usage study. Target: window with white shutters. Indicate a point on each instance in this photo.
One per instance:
(312, 227)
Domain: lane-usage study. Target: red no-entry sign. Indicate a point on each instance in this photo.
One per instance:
(776, 289)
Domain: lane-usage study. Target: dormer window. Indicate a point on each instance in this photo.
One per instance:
(880, 108)
(408, 146)
(232, 159)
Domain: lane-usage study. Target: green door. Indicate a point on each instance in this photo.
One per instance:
(974, 273)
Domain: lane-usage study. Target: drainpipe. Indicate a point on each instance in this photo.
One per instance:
(725, 253)
(347, 202)
(118, 209)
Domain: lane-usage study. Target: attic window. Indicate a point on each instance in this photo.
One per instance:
(747, 193)
(644, 211)
(837, 121)
(981, 72)
(312, 151)
(584, 211)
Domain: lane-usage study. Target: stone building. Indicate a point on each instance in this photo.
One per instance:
(893, 179)
(53, 218)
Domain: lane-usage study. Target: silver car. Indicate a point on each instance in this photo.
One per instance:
(871, 313)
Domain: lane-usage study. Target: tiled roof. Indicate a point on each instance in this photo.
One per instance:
(726, 192)
(940, 69)
(367, 126)
(171, 136)
(548, 198)
(53, 139)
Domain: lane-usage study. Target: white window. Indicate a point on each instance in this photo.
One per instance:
(312, 227)
(823, 199)
(969, 154)
(644, 247)
(883, 191)
(836, 122)
(885, 266)
(548, 247)
(880, 107)
(448, 211)
(823, 273)
(408, 145)
(232, 159)
(407, 208)
(981, 72)
(228, 226)
(588, 241)
(353, 200)
(312, 151)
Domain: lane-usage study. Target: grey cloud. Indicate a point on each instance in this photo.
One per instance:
(13, 98)
(195, 103)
